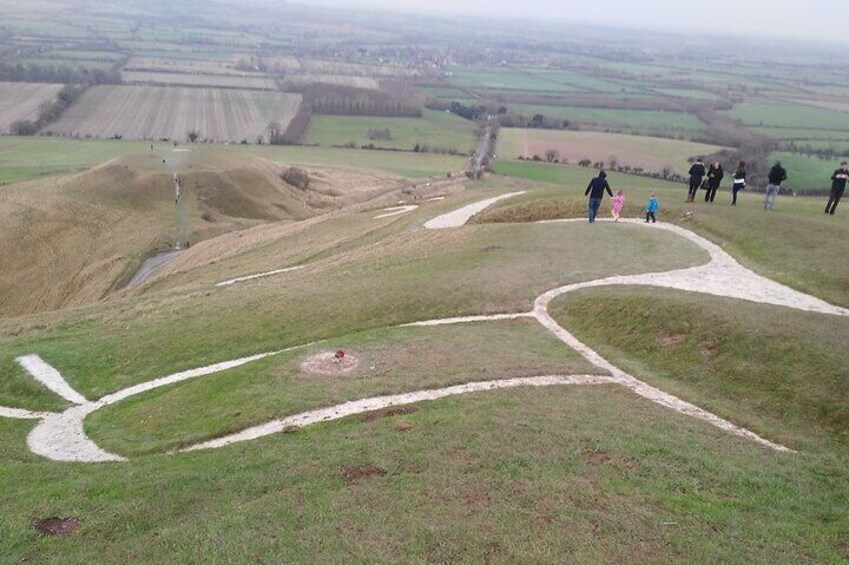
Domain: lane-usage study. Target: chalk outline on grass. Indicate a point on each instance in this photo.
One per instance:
(258, 276)
(61, 436)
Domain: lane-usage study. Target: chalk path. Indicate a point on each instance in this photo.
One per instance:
(61, 436)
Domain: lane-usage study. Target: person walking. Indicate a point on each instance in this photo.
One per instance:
(618, 203)
(697, 173)
(651, 208)
(739, 181)
(777, 175)
(838, 186)
(595, 190)
(714, 180)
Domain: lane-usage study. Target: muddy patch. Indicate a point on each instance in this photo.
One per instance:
(56, 527)
(388, 412)
(491, 248)
(355, 473)
(330, 364)
(403, 427)
(670, 340)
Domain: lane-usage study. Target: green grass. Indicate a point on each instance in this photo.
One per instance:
(533, 475)
(391, 362)
(25, 158)
(434, 129)
(790, 116)
(808, 256)
(803, 133)
(638, 120)
(778, 372)
(805, 172)
(408, 277)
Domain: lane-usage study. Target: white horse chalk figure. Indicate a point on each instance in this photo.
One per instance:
(60, 436)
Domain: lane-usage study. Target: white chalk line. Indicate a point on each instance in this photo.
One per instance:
(467, 320)
(19, 414)
(396, 211)
(376, 403)
(259, 276)
(458, 218)
(50, 377)
(62, 437)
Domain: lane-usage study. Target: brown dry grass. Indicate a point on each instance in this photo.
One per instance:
(74, 240)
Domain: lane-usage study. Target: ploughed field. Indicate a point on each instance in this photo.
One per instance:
(252, 81)
(20, 101)
(149, 112)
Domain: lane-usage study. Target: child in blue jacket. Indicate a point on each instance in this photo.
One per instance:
(651, 208)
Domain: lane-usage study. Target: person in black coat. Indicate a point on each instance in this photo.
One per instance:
(838, 186)
(595, 190)
(697, 173)
(714, 180)
(777, 175)
(739, 181)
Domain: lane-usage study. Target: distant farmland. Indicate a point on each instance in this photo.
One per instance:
(20, 101)
(254, 82)
(149, 112)
(650, 153)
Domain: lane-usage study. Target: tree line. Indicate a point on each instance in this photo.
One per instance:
(57, 74)
(48, 111)
(350, 101)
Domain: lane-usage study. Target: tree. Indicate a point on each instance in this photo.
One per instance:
(275, 133)
(193, 135)
(552, 155)
(585, 163)
(612, 161)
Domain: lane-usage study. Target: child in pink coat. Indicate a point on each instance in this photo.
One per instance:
(618, 203)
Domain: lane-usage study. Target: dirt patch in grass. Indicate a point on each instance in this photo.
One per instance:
(602, 458)
(475, 497)
(388, 412)
(708, 348)
(56, 527)
(354, 473)
(327, 363)
(669, 340)
(403, 427)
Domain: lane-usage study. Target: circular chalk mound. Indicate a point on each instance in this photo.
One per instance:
(330, 363)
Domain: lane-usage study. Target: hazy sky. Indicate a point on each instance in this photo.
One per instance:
(816, 20)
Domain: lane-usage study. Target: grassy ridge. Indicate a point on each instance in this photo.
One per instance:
(777, 371)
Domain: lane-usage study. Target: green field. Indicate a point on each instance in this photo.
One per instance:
(638, 120)
(805, 172)
(434, 129)
(25, 158)
(790, 116)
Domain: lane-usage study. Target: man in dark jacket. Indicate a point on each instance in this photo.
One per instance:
(777, 175)
(838, 185)
(714, 180)
(697, 173)
(596, 190)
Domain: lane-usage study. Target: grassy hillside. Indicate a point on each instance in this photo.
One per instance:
(596, 471)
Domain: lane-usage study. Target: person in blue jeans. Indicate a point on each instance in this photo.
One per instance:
(595, 190)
